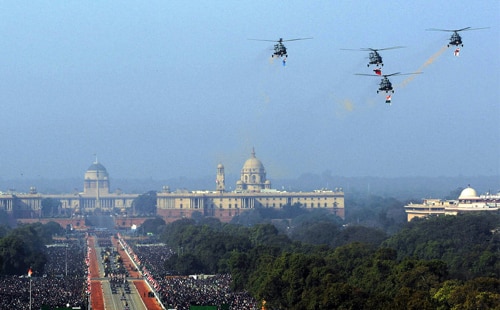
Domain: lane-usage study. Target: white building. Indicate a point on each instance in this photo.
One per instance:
(468, 201)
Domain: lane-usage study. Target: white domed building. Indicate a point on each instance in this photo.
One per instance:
(468, 201)
(253, 176)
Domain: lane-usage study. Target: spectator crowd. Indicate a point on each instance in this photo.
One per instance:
(61, 283)
(179, 292)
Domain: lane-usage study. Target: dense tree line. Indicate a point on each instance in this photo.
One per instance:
(449, 262)
(468, 243)
(23, 247)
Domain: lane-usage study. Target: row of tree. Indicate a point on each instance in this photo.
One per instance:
(315, 262)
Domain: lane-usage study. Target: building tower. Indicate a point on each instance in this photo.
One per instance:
(220, 179)
(253, 176)
(96, 180)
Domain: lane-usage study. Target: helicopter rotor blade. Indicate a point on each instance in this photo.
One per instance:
(399, 73)
(456, 30)
(435, 29)
(386, 75)
(380, 49)
(469, 28)
(296, 39)
(263, 40)
(281, 40)
(375, 75)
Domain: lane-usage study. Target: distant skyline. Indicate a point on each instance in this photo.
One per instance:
(166, 89)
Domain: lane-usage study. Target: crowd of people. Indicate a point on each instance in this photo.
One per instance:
(61, 283)
(181, 292)
(63, 280)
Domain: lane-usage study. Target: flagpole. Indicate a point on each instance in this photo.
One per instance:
(29, 276)
(30, 292)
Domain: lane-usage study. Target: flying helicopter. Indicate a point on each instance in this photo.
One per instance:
(385, 84)
(279, 47)
(455, 38)
(374, 57)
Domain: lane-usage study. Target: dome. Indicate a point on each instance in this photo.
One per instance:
(253, 164)
(96, 180)
(219, 166)
(96, 171)
(468, 193)
(96, 166)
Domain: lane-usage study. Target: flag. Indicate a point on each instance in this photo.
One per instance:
(30, 272)
(457, 52)
(378, 71)
(388, 99)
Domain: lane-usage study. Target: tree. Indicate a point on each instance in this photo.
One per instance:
(358, 233)
(479, 293)
(152, 225)
(316, 233)
(50, 207)
(466, 243)
(145, 204)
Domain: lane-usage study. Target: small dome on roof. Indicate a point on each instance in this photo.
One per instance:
(468, 193)
(220, 166)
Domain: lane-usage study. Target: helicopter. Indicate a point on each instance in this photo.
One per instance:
(385, 84)
(455, 38)
(279, 47)
(374, 56)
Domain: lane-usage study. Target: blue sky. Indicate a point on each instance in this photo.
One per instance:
(160, 89)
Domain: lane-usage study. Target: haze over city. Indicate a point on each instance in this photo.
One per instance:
(163, 89)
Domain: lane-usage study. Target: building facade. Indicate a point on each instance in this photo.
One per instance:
(468, 201)
(253, 190)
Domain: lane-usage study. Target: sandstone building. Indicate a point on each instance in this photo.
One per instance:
(252, 190)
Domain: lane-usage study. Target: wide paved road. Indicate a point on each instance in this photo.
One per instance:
(129, 295)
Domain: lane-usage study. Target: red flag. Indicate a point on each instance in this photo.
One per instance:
(30, 272)
(457, 52)
(388, 99)
(378, 71)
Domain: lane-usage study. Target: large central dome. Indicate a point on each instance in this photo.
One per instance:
(253, 176)
(96, 180)
(253, 164)
(97, 167)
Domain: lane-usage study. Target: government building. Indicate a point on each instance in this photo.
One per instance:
(468, 201)
(252, 190)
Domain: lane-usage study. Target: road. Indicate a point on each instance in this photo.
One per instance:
(110, 294)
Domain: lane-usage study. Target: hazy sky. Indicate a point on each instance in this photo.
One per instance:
(161, 89)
